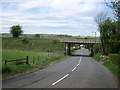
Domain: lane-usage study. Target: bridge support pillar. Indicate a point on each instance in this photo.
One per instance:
(68, 49)
(92, 52)
(65, 46)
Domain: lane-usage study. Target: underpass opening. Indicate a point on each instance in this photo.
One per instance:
(79, 51)
(69, 45)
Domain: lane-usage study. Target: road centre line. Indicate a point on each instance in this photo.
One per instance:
(60, 79)
(67, 74)
(80, 60)
(77, 64)
(74, 69)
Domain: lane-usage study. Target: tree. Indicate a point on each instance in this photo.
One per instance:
(115, 6)
(16, 30)
(110, 36)
(99, 19)
(109, 28)
(37, 35)
(114, 42)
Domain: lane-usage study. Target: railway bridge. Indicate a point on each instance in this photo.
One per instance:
(69, 43)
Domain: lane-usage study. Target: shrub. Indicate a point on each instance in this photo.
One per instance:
(6, 69)
(97, 56)
(97, 48)
(85, 38)
(25, 40)
(55, 41)
(37, 35)
(114, 58)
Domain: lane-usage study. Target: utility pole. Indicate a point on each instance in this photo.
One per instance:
(95, 36)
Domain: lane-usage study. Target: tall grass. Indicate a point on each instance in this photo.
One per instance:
(114, 64)
(97, 56)
(113, 67)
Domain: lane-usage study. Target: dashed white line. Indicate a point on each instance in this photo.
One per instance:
(74, 69)
(80, 60)
(60, 79)
(77, 64)
(67, 74)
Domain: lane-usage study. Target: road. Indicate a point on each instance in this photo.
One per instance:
(78, 71)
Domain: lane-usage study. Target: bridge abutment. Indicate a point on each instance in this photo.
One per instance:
(69, 43)
(92, 52)
(68, 49)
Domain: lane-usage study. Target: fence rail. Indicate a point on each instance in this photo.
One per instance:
(36, 59)
(24, 59)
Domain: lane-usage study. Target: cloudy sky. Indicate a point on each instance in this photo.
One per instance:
(72, 17)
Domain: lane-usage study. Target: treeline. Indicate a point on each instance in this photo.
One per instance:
(109, 29)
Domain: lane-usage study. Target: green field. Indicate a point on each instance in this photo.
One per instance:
(40, 52)
(37, 60)
(26, 44)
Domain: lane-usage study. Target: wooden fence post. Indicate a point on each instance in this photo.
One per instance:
(27, 60)
(33, 60)
(38, 58)
(5, 62)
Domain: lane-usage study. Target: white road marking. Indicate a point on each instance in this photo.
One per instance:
(67, 74)
(60, 79)
(77, 64)
(74, 69)
(80, 60)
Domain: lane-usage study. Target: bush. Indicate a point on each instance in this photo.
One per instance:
(97, 48)
(114, 58)
(25, 40)
(97, 56)
(55, 41)
(6, 69)
(85, 38)
(37, 35)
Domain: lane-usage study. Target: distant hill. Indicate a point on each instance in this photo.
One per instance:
(52, 36)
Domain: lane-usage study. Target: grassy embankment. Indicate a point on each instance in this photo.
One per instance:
(41, 53)
(113, 63)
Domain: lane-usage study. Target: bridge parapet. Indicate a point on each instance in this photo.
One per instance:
(82, 41)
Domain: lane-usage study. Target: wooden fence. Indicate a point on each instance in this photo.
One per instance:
(36, 59)
(26, 59)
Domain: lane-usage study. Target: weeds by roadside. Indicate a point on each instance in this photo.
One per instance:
(112, 63)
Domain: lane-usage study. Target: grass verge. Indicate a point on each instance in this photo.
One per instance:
(97, 56)
(113, 67)
(112, 64)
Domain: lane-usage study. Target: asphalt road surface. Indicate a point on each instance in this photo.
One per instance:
(77, 71)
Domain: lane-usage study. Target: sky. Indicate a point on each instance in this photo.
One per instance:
(72, 17)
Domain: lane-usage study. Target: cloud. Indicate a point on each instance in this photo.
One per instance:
(46, 16)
